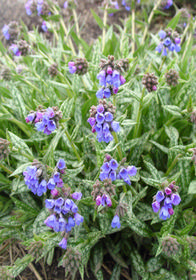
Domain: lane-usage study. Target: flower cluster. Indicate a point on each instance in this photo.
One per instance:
(40, 7)
(53, 70)
(123, 3)
(101, 121)
(11, 31)
(170, 246)
(112, 170)
(150, 82)
(35, 177)
(172, 77)
(166, 4)
(164, 200)
(110, 77)
(64, 214)
(45, 120)
(102, 192)
(170, 41)
(80, 66)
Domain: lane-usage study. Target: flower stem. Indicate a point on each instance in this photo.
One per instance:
(133, 30)
(77, 27)
(118, 147)
(72, 144)
(162, 63)
(149, 20)
(104, 27)
(139, 114)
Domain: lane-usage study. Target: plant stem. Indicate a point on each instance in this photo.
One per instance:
(139, 114)
(162, 63)
(133, 31)
(72, 144)
(118, 147)
(189, 40)
(149, 20)
(104, 27)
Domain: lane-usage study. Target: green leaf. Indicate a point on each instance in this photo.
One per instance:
(116, 272)
(137, 262)
(139, 227)
(172, 109)
(192, 187)
(173, 23)
(98, 20)
(20, 169)
(20, 265)
(19, 144)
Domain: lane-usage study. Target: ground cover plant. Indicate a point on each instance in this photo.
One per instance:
(98, 144)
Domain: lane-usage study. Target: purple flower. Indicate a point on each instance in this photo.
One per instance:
(100, 118)
(168, 191)
(103, 176)
(78, 219)
(100, 93)
(91, 121)
(62, 224)
(155, 206)
(115, 126)
(59, 202)
(15, 50)
(160, 196)
(132, 170)
(28, 7)
(113, 164)
(72, 67)
(77, 195)
(63, 243)
(123, 173)
(65, 5)
(74, 208)
(164, 214)
(162, 34)
(56, 177)
(115, 222)
(98, 200)
(51, 221)
(44, 26)
(42, 188)
(108, 117)
(61, 164)
(5, 31)
(51, 184)
(175, 199)
(49, 203)
(100, 109)
(168, 5)
(167, 42)
(101, 78)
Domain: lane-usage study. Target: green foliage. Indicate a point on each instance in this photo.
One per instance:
(156, 135)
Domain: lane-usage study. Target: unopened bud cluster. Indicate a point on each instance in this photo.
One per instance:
(101, 121)
(6, 73)
(192, 244)
(20, 48)
(45, 120)
(4, 150)
(164, 201)
(53, 70)
(172, 77)
(170, 246)
(150, 82)
(80, 66)
(11, 31)
(102, 192)
(110, 77)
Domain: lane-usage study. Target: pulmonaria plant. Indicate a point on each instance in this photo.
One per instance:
(80, 66)
(164, 201)
(4, 148)
(64, 214)
(102, 121)
(45, 120)
(110, 77)
(170, 41)
(36, 177)
(112, 170)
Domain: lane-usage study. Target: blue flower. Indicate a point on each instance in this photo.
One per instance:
(51, 221)
(56, 177)
(156, 206)
(168, 5)
(164, 214)
(61, 164)
(62, 224)
(5, 31)
(175, 199)
(162, 34)
(42, 188)
(132, 170)
(63, 243)
(113, 164)
(28, 7)
(77, 195)
(51, 184)
(115, 126)
(14, 48)
(100, 93)
(101, 77)
(44, 26)
(49, 203)
(115, 222)
(72, 67)
(78, 219)
(160, 196)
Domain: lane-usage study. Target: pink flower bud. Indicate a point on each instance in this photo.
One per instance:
(154, 88)
(109, 70)
(122, 80)
(54, 192)
(71, 63)
(168, 191)
(171, 211)
(115, 90)
(98, 200)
